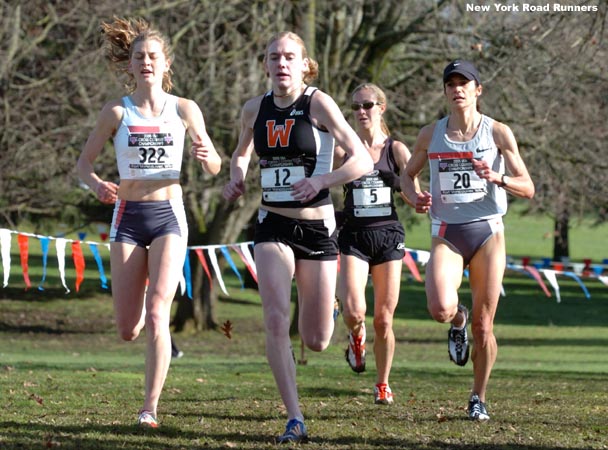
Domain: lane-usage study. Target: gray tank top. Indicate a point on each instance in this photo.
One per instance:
(459, 195)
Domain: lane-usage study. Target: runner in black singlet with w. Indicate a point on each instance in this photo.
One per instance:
(292, 129)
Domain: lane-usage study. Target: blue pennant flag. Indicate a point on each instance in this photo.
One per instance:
(188, 274)
(580, 283)
(224, 251)
(44, 243)
(97, 256)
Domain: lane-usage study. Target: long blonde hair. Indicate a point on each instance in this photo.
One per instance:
(313, 66)
(380, 98)
(120, 37)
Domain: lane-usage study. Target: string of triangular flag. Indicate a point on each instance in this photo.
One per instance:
(242, 249)
(207, 256)
(23, 240)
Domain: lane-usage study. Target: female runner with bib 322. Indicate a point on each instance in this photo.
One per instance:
(149, 233)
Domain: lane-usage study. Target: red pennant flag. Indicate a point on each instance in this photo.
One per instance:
(201, 258)
(23, 252)
(411, 264)
(536, 275)
(78, 258)
(238, 250)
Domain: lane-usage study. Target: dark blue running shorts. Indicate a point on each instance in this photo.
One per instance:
(139, 223)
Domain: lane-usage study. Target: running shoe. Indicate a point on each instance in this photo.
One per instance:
(295, 431)
(175, 352)
(355, 353)
(477, 409)
(458, 341)
(383, 394)
(147, 420)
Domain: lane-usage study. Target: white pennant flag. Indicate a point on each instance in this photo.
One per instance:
(247, 254)
(552, 279)
(422, 256)
(182, 285)
(5, 251)
(216, 269)
(182, 282)
(60, 247)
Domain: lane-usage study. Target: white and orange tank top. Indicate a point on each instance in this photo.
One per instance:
(150, 148)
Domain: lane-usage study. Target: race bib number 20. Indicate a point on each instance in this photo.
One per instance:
(458, 180)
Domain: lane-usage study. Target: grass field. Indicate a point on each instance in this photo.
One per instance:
(68, 382)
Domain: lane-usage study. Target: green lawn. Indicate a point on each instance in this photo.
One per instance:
(68, 382)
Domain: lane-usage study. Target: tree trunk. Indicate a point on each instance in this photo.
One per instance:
(560, 239)
(201, 308)
(227, 226)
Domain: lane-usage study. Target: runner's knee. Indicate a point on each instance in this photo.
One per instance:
(317, 342)
(127, 331)
(383, 325)
(276, 323)
(441, 313)
(483, 333)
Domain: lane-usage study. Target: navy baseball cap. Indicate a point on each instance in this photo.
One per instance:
(462, 67)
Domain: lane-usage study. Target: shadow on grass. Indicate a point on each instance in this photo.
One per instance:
(383, 443)
(512, 342)
(524, 303)
(53, 291)
(559, 342)
(46, 329)
(240, 301)
(111, 437)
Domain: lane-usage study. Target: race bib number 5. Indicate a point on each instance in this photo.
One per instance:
(372, 202)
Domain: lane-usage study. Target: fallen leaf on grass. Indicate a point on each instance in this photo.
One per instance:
(227, 329)
(50, 443)
(441, 417)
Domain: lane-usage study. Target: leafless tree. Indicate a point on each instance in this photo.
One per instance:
(544, 75)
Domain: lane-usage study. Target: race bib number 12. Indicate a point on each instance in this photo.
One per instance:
(277, 182)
